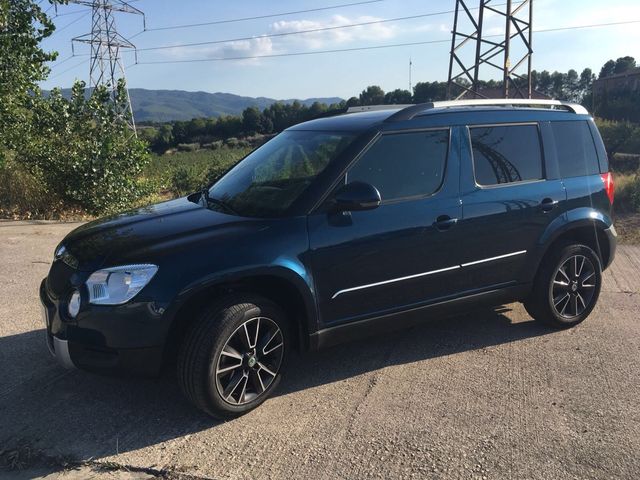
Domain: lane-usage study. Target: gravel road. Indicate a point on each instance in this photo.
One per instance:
(487, 395)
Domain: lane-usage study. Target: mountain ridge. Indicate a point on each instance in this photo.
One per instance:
(172, 105)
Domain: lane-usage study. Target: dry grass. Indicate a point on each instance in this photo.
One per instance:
(628, 228)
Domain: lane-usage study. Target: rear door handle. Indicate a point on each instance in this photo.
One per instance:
(444, 222)
(548, 204)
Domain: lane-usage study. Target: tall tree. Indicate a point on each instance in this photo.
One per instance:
(23, 25)
(429, 92)
(608, 69)
(372, 95)
(398, 97)
(624, 64)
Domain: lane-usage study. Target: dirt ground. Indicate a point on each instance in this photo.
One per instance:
(490, 394)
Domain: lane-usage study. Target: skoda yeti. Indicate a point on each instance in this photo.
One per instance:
(336, 228)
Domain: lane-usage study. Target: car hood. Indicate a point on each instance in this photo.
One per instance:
(143, 234)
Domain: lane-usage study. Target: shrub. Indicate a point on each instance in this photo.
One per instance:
(185, 180)
(188, 147)
(84, 153)
(627, 195)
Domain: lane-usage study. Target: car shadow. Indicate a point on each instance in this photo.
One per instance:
(81, 415)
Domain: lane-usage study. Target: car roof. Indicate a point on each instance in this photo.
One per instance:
(451, 113)
(347, 121)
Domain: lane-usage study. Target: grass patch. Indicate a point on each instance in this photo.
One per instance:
(628, 228)
(627, 194)
(180, 173)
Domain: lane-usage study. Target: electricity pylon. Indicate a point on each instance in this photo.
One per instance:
(106, 67)
(518, 41)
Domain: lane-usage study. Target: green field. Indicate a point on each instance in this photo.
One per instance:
(179, 173)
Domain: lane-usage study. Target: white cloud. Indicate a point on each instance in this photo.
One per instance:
(324, 38)
(257, 46)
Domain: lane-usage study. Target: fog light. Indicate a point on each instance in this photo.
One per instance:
(74, 304)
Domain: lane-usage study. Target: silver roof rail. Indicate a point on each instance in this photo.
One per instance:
(414, 110)
(373, 108)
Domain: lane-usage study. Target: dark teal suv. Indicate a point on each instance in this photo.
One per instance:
(337, 228)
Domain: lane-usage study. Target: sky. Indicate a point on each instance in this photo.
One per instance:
(341, 74)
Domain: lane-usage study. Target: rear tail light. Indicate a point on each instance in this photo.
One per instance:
(609, 187)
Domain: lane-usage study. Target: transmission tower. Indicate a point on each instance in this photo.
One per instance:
(106, 66)
(469, 41)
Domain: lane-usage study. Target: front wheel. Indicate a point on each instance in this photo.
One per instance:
(232, 357)
(566, 287)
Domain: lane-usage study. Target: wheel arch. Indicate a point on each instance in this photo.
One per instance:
(282, 286)
(583, 225)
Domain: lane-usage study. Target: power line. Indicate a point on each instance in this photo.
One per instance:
(60, 62)
(272, 15)
(75, 12)
(293, 54)
(297, 32)
(81, 17)
(375, 47)
(67, 69)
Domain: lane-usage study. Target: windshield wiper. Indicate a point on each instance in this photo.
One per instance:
(216, 201)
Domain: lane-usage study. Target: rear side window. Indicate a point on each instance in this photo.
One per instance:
(506, 154)
(577, 155)
(404, 165)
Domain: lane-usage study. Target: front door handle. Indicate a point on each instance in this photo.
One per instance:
(444, 222)
(548, 204)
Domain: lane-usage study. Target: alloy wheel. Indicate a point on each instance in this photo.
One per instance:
(250, 361)
(574, 285)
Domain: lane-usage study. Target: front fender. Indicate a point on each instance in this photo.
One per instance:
(290, 271)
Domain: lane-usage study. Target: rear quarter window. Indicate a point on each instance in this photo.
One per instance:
(506, 154)
(575, 148)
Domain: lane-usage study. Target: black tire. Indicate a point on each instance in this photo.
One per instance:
(206, 373)
(560, 298)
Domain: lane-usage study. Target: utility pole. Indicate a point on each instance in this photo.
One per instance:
(470, 41)
(410, 83)
(106, 67)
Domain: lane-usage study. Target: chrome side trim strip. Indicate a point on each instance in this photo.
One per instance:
(484, 260)
(418, 275)
(393, 280)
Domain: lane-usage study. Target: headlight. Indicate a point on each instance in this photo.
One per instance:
(118, 285)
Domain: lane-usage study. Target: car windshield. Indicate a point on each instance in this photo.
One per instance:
(270, 179)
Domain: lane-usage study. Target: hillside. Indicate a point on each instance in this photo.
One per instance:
(167, 105)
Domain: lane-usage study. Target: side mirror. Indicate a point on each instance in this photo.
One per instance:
(356, 196)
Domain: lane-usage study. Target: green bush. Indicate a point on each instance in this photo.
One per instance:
(23, 195)
(83, 151)
(185, 180)
(620, 137)
(627, 194)
(188, 147)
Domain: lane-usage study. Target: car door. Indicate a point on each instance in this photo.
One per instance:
(509, 197)
(366, 263)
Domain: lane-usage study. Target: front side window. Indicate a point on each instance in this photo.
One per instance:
(506, 154)
(270, 179)
(404, 165)
(575, 148)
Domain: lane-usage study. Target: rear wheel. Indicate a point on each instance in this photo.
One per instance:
(232, 357)
(566, 287)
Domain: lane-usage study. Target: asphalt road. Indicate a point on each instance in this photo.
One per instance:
(487, 395)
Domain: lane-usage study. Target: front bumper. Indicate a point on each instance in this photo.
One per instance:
(99, 341)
